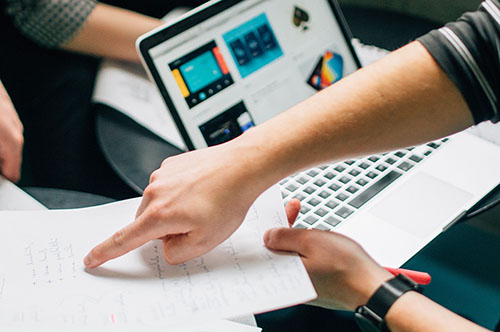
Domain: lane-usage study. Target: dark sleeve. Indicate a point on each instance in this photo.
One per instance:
(49, 23)
(468, 50)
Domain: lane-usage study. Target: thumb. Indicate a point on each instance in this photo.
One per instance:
(289, 239)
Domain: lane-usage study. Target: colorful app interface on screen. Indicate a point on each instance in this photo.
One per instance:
(329, 69)
(201, 74)
(250, 62)
(253, 45)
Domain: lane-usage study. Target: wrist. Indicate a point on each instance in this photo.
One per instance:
(373, 281)
(372, 316)
(269, 157)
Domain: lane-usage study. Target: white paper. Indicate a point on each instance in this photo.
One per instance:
(210, 326)
(368, 53)
(44, 282)
(13, 198)
(126, 88)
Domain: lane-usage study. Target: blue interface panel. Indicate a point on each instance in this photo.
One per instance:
(201, 71)
(253, 45)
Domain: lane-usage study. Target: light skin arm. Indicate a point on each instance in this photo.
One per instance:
(350, 277)
(11, 138)
(111, 32)
(198, 199)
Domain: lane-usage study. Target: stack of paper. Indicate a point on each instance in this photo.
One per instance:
(44, 284)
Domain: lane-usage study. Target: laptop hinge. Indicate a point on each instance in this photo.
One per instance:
(454, 221)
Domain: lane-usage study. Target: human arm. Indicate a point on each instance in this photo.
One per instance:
(198, 199)
(205, 194)
(84, 26)
(345, 277)
(111, 32)
(11, 138)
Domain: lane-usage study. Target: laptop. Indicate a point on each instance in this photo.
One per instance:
(229, 65)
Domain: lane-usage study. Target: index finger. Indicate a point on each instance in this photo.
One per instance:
(129, 238)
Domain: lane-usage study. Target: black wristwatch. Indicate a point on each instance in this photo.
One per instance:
(371, 316)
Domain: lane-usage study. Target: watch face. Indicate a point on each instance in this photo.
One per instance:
(364, 323)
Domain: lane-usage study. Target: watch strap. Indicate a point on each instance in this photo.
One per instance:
(371, 316)
(383, 298)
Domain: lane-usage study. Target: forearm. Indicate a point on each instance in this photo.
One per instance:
(111, 32)
(414, 312)
(403, 100)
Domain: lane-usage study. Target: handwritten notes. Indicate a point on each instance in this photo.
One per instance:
(46, 283)
(50, 262)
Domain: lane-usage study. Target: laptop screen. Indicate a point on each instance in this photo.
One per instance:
(247, 63)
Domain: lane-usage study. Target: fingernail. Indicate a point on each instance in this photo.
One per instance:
(267, 237)
(87, 260)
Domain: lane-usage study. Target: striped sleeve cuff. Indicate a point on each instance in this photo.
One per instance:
(469, 52)
(49, 23)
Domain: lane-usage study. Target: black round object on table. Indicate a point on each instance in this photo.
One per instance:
(133, 151)
(65, 199)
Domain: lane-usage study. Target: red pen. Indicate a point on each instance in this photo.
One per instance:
(422, 278)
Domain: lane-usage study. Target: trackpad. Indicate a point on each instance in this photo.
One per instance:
(421, 204)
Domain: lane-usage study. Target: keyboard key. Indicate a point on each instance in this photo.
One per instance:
(304, 209)
(405, 166)
(302, 180)
(349, 162)
(354, 172)
(284, 195)
(329, 175)
(373, 158)
(324, 194)
(319, 182)
(415, 158)
(381, 168)
(321, 227)
(390, 161)
(352, 189)
(332, 221)
(444, 140)
(299, 225)
(372, 175)
(345, 179)
(300, 197)
(342, 197)
(433, 145)
(344, 212)
(312, 173)
(283, 182)
(361, 182)
(331, 204)
(292, 187)
(323, 167)
(321, 212)
(400, 154)
(339, 168)
(314, 201)
(428, 152)
(364, 165)
(374, 189)
(309, 190)
(334, 187)
(310, 219)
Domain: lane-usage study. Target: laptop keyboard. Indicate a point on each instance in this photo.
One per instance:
(330, 195)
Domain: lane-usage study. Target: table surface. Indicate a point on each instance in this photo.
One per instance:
(453, 258)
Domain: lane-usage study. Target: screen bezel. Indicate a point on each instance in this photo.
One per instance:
(197, 16)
